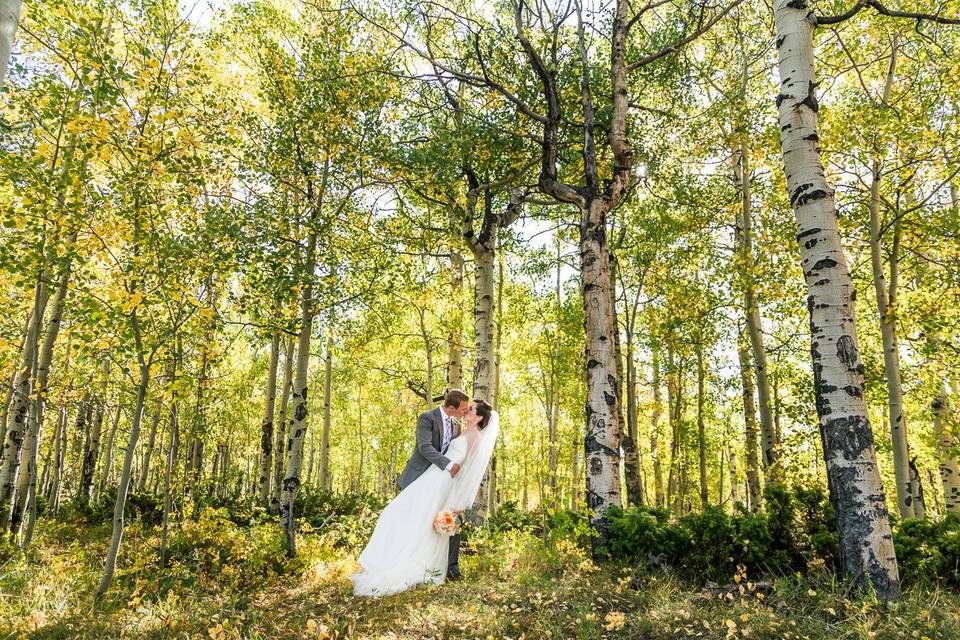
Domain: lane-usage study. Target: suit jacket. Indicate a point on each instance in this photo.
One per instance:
(427, 451)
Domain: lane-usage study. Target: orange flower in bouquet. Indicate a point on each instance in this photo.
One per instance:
(448, 522)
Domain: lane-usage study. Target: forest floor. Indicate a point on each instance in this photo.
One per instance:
(228, 582)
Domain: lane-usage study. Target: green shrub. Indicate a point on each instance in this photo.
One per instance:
(928, 549)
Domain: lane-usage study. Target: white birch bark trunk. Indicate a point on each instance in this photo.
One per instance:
(701, 430)
(107, 470)
(947, 445)
(59, 456)
(266, 427)
(298, 423)
(866, 543)
(20, 408)
(9, 19)
(280, 446)
(26, 482)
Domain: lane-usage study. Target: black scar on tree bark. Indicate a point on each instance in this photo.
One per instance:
(825, 263)
(811, 99)
(847, 350)
(808, 232)
(797, 4)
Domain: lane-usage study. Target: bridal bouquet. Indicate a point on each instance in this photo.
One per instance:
(447, 522)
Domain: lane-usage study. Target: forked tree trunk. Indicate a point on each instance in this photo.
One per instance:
(280, 446)
(947, 445)
(866, 543)
(749, 428)
(266, 429)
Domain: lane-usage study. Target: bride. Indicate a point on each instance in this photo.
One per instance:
(404, 550)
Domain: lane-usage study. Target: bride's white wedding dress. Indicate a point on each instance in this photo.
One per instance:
(404, 550)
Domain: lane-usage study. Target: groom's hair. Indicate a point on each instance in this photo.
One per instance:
(454, 397)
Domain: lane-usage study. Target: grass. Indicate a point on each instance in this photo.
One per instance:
(227, 581)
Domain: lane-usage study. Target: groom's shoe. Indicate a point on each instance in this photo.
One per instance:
(453, 574)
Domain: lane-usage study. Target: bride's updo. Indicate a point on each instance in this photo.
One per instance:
(483, 410)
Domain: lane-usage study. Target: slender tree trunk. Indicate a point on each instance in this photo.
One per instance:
(59, 459)
(282, 421)
(888, 328)
(298, 423)
(947, 444)
(90, 422)
(750, 428)
(770, 440)
(148, 452)
(266, 429)
(866, 543)
(732, 463)
(701, 429)
(629, 441)
(124, 485)
(484, 361)
(327, 400)
(455, 354)
(655, 425)
(108, 454)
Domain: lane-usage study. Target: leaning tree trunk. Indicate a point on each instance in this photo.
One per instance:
(20, 408)
(749, 428)
(26, 483)
(282, 422)
(947, 444)
(266, 430)
(123, 487)
(298, 423)
(770, 438)
(866, 544)
(888, 328)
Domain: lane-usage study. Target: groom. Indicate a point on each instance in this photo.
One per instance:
(435, 429)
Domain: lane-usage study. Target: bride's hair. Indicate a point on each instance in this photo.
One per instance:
(483, 410)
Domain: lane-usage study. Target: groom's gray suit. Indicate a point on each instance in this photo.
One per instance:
(428, 451)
